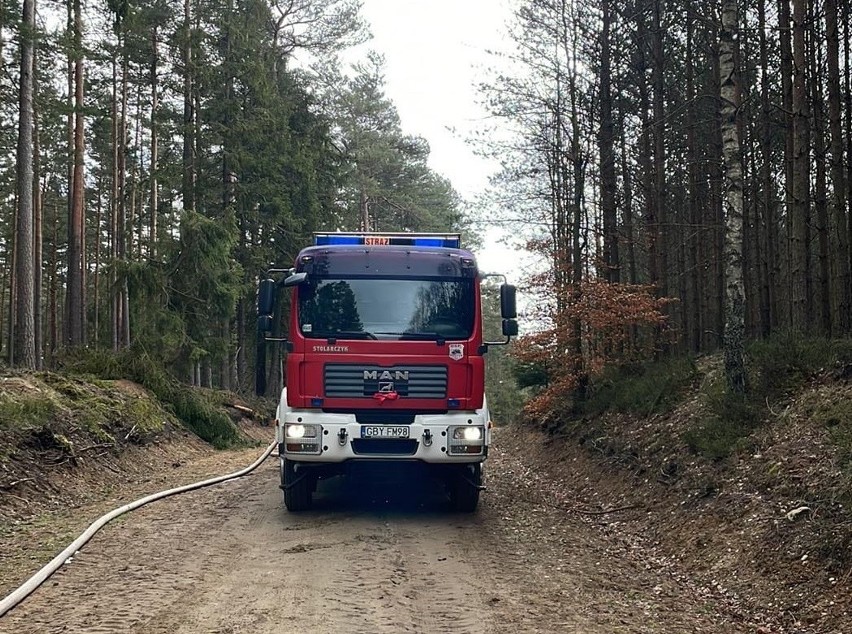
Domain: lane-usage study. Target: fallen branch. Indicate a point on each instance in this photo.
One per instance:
(846, 576)
(12, 485)
(243, 409)
(607, 512)
(103, 445)
(27, 502)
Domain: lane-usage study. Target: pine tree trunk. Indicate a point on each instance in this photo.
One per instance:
(716, 212)
(69, 132)
(751, 217)
(188, 189)
(627, 210)
(155, 151)
(96, 288)
(24, 350)
(225, 361)
(134, 214)
(840, 272)
(38, 228)
(735, 295)
(847, 82)
(646, 167)
(122, 306)
(660, 193)
(114, 208)
(75, 296)
(693, 332)
(53, 301)
(798, 212)
(241, 367)
(606, 148)
(822, 315)
(785, 38)
(4, 284)
(771, 271)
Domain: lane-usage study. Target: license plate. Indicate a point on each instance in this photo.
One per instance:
(384, 431)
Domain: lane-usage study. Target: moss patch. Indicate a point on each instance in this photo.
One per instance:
(198, 411)
(50, 411)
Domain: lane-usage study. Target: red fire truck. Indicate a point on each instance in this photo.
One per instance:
(385, 361)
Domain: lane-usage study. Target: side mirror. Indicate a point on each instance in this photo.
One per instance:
(508, 304)
(264, 323)
(296, 279)
(510, 327)
(266, 297)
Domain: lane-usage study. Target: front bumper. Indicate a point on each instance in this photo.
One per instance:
(340, 440)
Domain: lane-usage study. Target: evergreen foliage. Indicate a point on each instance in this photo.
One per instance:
(209, 158)
(641, 388)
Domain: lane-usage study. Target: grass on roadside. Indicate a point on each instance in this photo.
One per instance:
(198, 411)
(644, 389)
(777, 366)
(25, 411)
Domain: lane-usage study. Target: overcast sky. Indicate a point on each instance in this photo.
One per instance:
(434, 52)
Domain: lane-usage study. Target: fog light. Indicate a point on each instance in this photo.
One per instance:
(302, 447)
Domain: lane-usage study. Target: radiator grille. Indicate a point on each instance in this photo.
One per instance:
(360, 381)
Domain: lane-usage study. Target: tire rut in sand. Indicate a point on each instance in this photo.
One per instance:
(404, 583)
(140, 564)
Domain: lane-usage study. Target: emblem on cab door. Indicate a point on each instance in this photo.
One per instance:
(456, 351)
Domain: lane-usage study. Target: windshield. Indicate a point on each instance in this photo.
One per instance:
(387, 308)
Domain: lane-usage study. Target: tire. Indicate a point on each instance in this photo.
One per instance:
(464, 488)
(298, 487)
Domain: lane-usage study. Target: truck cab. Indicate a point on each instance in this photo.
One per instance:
(385, 361)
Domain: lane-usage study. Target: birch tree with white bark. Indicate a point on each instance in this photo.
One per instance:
(735, 290)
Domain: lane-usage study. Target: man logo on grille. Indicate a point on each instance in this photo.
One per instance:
(385, 387)
(386, 375)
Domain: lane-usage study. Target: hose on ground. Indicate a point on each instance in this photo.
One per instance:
(42, 575)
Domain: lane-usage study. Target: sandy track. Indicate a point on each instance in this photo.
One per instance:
(230, 559)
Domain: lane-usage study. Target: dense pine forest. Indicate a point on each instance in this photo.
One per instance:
(169, 153)
(681, 169)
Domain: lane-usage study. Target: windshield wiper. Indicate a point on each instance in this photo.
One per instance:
(424, 336)
(345, 334)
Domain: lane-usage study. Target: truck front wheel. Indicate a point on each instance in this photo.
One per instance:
(298, 486)
(465, 487)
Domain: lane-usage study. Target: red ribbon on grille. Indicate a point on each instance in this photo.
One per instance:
(381, 397)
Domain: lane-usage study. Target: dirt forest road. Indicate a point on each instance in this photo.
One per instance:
(230, 559)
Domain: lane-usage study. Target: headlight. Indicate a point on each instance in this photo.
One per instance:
(467, 433)
(466, 440)
(302, 438)
(297, 430)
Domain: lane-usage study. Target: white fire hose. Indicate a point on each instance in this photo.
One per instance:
(42, 575)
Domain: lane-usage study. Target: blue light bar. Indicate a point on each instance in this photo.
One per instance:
(327, 240)
(428, 240)
(435, 242)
